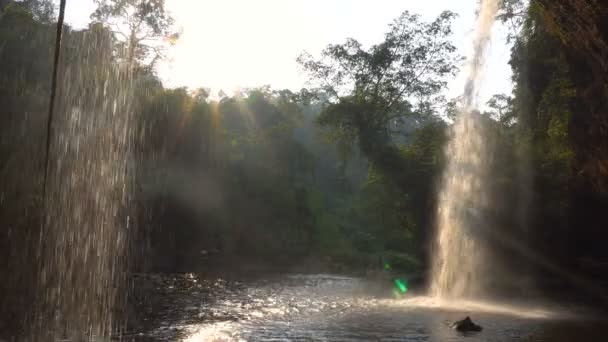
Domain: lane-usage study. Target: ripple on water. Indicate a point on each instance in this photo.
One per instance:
(309, 308)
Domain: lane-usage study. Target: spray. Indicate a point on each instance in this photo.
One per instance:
(83, 245)
(461, 259)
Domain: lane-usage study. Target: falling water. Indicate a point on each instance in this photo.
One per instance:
(461, 263)
(85, 239)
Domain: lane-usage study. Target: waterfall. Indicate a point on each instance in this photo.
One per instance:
(461, 260)
(83, 247)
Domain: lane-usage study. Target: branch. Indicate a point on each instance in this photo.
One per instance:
(417, 77)
(121, 34)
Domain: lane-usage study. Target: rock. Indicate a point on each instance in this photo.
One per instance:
(466, 325)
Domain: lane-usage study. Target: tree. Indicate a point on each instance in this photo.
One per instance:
(559, 135)
(574, 35)
(43, 11)
(512, 13)
(501, 109)
(141, 26)
(373, 92)
(581, 30)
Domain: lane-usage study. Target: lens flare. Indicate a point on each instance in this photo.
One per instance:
(401, 285)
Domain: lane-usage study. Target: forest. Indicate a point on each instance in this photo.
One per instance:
(340, 176)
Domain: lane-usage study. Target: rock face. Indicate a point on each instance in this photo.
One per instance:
(466, 325)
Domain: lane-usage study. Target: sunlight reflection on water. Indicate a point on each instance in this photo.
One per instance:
(223, 331)
(472, 306)
(425, 316)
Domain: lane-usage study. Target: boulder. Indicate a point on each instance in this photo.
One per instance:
(466, 325)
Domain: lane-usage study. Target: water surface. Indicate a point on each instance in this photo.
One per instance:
(337, 308)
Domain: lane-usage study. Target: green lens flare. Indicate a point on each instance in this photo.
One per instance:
(387, 266)
(401, 285)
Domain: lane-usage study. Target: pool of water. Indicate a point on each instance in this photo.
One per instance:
(336, 308)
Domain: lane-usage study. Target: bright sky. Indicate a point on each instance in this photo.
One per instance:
(227, 44)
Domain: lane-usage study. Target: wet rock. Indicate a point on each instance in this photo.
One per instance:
(466, 325)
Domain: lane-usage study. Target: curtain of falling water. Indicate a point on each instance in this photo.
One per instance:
(84, 244)
(461, 263)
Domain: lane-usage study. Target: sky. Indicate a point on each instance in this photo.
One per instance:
(232, 44)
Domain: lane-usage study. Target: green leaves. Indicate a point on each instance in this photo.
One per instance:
(413, 61)
(368, 89)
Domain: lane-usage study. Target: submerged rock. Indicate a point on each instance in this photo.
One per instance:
(466, 325)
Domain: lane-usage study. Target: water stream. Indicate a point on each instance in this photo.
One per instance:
(84, 243)
(461, 261)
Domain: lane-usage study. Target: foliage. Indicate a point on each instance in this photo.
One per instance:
(555, 119)
(512, 13)
(378, 97)
(251, 177)
(142, 28)
(372, 91)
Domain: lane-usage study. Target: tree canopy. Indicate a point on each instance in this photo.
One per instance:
(143, 27)
(375, 89)
(375, 94)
